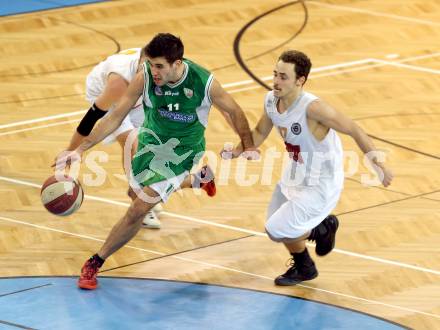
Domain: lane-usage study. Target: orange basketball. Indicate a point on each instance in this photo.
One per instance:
(61, 197)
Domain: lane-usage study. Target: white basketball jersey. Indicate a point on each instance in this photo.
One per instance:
(312, 162)
(125, 64)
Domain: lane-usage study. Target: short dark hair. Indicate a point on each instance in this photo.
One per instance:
(301, 61)
(165, 45)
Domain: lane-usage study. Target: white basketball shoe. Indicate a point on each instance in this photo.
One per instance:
(151, 219)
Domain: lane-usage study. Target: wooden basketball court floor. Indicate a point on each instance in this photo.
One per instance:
(377, 61)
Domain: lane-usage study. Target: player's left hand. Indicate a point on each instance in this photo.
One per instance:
(229, 152)
(251, 154)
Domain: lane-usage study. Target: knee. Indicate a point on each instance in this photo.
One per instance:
(131, 193)
(136, 212)
(133, 216)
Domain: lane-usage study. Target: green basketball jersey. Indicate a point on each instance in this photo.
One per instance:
(178, 110)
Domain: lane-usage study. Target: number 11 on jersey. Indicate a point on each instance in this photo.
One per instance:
(174, 106)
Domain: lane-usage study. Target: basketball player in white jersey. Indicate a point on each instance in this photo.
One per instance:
(311, 185)
(105, 84)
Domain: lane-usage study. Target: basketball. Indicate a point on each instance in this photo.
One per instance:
(62, 196)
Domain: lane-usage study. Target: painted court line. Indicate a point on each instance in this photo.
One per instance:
(244, 89)
(374, 63)
(363, 300)
(247, 82)
(238, 229)
(407, 66)
(419, 57)
(41, 126)
(375, 13)
(314, 76)
(37, 120)
(313, 70)
(230, 92)
(234, 84)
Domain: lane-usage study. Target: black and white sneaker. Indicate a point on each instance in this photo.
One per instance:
(324, 235)
(297, 274)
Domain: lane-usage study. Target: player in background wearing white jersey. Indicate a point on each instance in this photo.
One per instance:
(311, 186)
(105, 85)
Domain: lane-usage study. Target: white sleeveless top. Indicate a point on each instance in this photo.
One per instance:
(312, 162)
(125, 64)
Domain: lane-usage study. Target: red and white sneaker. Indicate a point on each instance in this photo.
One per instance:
(88, 280)
(204, 179)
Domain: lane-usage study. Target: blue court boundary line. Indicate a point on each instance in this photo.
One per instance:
(221, 286)
(55, 8)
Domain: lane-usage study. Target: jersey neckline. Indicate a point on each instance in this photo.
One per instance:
(182, 79)
(291, 107)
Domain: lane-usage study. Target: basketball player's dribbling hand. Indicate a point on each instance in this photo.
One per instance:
(65, 159)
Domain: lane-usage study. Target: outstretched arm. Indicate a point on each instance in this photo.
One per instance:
(329, 117)
(262, 130)
(225, 103)
(259, 134)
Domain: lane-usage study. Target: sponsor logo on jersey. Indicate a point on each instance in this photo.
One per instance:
(158, 91)
(176, 116)
(296, 128)
(170, 93)
(188, 92)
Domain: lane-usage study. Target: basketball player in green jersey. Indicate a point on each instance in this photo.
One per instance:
(177, 96)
